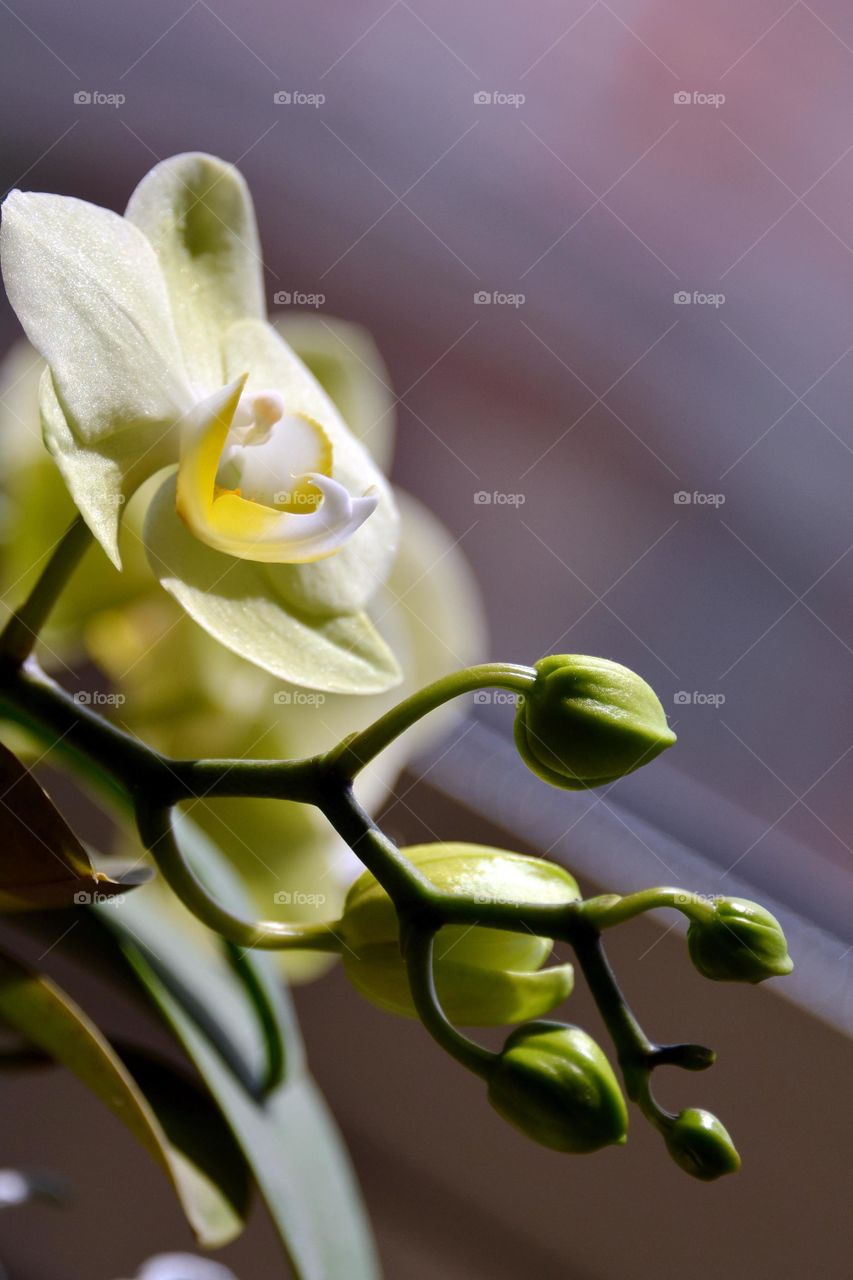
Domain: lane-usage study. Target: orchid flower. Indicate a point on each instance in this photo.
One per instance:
(273, 526)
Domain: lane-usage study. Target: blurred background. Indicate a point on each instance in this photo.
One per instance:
(606, 251)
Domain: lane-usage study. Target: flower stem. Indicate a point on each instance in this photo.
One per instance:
(357, 751)
(21, 632)
(157, 829)
(636, 1053)
(610, 909)
(418, 945)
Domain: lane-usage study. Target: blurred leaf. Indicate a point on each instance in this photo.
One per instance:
(287, 1135)
(295, 1151)
(42, 863)
(190, 1149)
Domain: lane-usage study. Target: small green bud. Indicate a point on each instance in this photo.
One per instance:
(554, 1084)
(740, 942)
(483, 976)
(701, 1146)
(587, 721)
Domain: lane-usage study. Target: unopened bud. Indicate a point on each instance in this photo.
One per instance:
(554, 1083)
(701, 1146)
(483, 976)
(740, 942)
(586, 722)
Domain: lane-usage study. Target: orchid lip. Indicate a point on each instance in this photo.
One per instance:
(256, 482)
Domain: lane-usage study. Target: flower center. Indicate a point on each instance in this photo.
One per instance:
(268, 454)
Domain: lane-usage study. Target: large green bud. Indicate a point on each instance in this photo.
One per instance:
(586, 722)
(701, 1146)
(740, 942)
(483, 977)
(554, 1083)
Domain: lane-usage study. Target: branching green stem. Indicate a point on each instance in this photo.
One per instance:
(153, 784)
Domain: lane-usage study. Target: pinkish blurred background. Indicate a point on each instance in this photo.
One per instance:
(657, 201)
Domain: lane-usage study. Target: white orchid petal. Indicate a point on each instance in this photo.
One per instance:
(101, 477)
(197, 213)
(237, 603)
(87, 289)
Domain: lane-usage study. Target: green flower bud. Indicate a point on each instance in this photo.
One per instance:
(740, 942)
(587, 721)
(483, 977)
(701, 1146)
(554, 1084)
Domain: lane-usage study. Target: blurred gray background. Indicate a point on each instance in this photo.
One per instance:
(656, 198)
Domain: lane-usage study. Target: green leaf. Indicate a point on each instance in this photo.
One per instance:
(240, 604)
(293, 1146)
(197, 213)
(192, 1157)
(287, 1135)
(42, 863)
